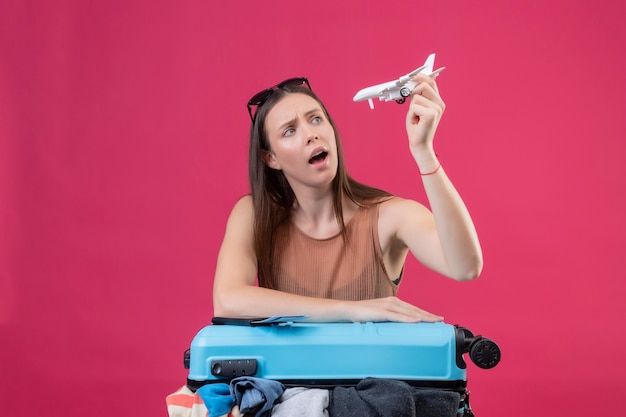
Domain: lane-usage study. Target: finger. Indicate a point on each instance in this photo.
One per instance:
(428, 91)
(415, 313)
(425, 79)
(419, 113)
(421, 79)
(422, 106)
(416, 318)
(431, 318)
(427, 314)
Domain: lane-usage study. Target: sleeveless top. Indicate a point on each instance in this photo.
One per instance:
(332, 268)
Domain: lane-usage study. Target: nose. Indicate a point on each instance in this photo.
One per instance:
(310, 133)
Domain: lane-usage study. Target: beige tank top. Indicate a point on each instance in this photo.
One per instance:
(332, 268)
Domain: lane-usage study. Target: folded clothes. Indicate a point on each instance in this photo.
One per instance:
(255, 395)
(217, 398)
(373, 397)
(186, 403)
(436, 402)
(302, 402)
(391, 398)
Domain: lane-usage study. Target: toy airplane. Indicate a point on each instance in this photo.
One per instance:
(400, 89)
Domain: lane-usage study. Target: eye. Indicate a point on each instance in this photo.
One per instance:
(289, 132)
(316, 120)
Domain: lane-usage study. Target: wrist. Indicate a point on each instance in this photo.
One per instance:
(427, 162)
(341, 310)
(422, 173)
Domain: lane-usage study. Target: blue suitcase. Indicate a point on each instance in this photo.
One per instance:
(426, 355)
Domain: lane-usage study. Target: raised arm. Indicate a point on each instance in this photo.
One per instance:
(445, 240)
(236, 295)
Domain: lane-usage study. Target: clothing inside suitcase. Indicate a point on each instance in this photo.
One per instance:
(353, 360)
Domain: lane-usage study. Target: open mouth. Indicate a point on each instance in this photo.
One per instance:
(318, 157)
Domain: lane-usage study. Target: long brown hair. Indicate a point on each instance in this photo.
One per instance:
(272, 196)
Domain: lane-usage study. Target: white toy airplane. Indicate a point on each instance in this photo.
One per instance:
(400, 89)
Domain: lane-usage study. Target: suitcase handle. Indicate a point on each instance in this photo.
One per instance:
(257, 321)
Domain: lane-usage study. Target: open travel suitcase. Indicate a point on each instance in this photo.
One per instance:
(424, 355)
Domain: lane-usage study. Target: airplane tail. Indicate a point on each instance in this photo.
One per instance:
(426, 69)
(429, 64)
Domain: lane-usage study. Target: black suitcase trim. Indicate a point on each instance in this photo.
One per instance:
(459, 386)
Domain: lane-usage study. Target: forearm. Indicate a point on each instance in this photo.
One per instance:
(457, 234)
(254, 301)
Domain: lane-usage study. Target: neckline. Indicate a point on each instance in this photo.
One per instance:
(347, 225)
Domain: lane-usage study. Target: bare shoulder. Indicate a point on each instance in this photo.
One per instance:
(239, 236)
(241, 217)
(243, 208)
(397, 215)
(397, 208)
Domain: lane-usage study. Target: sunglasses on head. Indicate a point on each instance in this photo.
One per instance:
(261, 97)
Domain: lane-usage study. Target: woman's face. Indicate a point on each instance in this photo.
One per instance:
(302, 142)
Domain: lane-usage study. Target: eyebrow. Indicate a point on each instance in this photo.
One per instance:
(290, 122)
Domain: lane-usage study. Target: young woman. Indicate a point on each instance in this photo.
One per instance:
(322, 244)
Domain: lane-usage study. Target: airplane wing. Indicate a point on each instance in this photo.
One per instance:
(411, 74)
(428, 66)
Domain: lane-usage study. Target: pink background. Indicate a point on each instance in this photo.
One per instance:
(123, 147)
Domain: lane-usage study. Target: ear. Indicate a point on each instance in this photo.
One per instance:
(270, 160)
